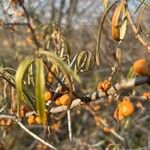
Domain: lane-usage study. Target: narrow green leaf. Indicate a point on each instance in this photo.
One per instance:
(39, 89)
(30, 75)
(97, 52)
(124, 23)
(85, 61)
(118, 54)
(105, 2)
(61, 64)
(67, 46)
(88, 62)
(131, 73)
(82, 55)
(23, 67)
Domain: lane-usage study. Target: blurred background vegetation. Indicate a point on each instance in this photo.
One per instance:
(78, 21)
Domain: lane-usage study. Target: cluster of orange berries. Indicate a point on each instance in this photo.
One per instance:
(146, 95)
(124, 109)
(5, 122)
(63, 100)
(50, 77)
(104, 86)
(32, 119)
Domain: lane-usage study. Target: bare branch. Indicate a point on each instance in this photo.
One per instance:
(113, 90)
(14, 118)
(69, 124)
(137, 34)
(30, 25)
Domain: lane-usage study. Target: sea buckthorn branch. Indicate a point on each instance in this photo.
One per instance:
(112, 91)
(114, 70)
(14, 118)
(136, 31)
(21, 4)
(30, 25)
(104, 123)
(96, 95)
(61, 84)
(5, 24)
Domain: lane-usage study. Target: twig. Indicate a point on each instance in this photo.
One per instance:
(2, 109)
(117, 135)
(14, 24)
(30, 25)
(104, 123)
(35, 136)
(99, 144)
(100, 33)
(99, 95)
(27, 130)
(137, 34)
(69, 124)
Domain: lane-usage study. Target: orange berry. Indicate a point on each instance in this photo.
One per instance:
(38, 37)
(146, 94)
(2, 122)
(142, 67)
(8, 122)
(96, 107)
(28, 30)
(104, 86)
(50, 77)
(41, 146)
(5, 122)
(97, 120)
(57, 102)
(31, 119)
(22, 113)
(126, 108)
(29, 40)
(23, 110)
(55, 126)
(38, 120)
(139, 105)
(65, 100)
(48, 96)
(107, 129)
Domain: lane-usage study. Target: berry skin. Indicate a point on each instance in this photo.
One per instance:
(38, 120)
(50, 78)
(146, 95)
(125, 109)
(57, 102)
(31, 120)
(65, 100)
(142, 67)
(24, 109)
(48, 96)
(104, 86)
